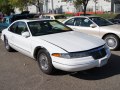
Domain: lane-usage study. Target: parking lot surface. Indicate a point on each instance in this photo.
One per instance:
(19, 72)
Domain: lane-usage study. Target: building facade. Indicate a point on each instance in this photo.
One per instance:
(61, 6)
(99, 5)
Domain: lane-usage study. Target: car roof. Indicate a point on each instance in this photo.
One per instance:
(85, 16)
(52, 14)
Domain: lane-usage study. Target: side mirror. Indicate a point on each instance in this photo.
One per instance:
(26, 34)
(93, 26)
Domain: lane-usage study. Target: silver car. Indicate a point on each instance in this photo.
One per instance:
(98, 27)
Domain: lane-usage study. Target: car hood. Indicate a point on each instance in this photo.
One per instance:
(114, 27)
(73, 41)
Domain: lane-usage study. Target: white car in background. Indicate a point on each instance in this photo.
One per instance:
(98, 27)
(59, 17)
(55, 45)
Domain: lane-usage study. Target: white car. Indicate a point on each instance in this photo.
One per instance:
(59, 17)
(55, 45)
(98, 27)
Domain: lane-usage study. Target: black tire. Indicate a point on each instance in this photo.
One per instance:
(7, 46)
(112, 41)
(45, 62)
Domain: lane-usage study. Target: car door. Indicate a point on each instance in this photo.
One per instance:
(21, 43)
(82, 24)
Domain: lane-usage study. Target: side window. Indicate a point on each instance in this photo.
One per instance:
(8, 20)
(70, 22)
(47, 17)
(85, 22)
(4, 20)
(42, 17)
(35, 28)
(78, 22)
(13, 27)
(21, 28)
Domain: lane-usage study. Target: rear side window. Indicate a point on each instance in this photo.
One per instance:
(18, 28)
(46, 17)
(13, 27)
(4, 20)
(60, 17)
(70, 22)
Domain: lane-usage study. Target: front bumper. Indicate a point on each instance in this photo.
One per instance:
(79, 64)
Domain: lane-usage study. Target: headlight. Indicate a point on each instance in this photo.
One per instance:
(71, 55)
(79, 54)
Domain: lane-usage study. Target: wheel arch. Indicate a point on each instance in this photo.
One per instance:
(110, 34)
(4, 37)
(36, 50)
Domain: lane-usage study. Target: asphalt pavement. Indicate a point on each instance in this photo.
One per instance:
(19, 72)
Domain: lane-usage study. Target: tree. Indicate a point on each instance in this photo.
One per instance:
(5, 7)
(95, 1)
(37, 3)
(22, 4)
(77, 3)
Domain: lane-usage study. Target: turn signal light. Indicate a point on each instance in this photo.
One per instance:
(56, 54)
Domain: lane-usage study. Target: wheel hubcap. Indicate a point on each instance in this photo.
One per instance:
(111, 42)
(43, 61)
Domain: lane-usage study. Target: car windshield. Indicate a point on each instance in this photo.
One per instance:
(100, 21)
(60, 17)
(46, 27)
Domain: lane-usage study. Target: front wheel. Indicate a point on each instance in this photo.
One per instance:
(45, 62)
(112, 41)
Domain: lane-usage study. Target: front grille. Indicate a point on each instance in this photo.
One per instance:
(97, 54)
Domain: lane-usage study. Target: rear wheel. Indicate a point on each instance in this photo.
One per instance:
(45, 62)
(112, 41)
(7, 46)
